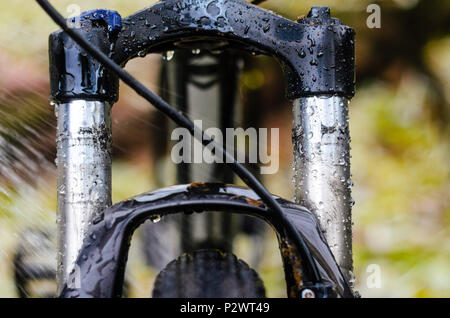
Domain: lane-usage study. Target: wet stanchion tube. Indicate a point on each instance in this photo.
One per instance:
(84, 176)
(83, 92)
(322, 170)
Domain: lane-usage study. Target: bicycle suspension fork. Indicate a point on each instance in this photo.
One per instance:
(318, 54)
(321, 136)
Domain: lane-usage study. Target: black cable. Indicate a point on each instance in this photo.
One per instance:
(185, 122)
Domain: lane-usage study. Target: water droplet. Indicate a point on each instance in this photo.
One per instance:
(155, 218)
(212, 8)
(301, 53)
(62, 189)
(352, 277)
(314, 62)
(142, 53)
(167, 56)
(351, 202)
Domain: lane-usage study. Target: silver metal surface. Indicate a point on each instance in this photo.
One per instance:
(204, 104)
(84, 176)
(322, 170)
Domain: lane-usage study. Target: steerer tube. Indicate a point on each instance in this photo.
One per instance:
(322, 170)
(84, 176)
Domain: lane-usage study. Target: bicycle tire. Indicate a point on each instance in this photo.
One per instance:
(208, 274)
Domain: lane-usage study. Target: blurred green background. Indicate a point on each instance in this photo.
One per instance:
(398, 120)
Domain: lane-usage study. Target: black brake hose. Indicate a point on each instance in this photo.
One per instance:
(185, 122)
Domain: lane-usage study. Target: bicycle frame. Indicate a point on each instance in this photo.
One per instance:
(317, 54)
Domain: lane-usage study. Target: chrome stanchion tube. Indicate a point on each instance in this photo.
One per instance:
(322, 170)
(84, 176)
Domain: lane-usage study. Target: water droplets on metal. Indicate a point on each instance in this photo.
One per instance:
(168, 55)
(155, 218)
